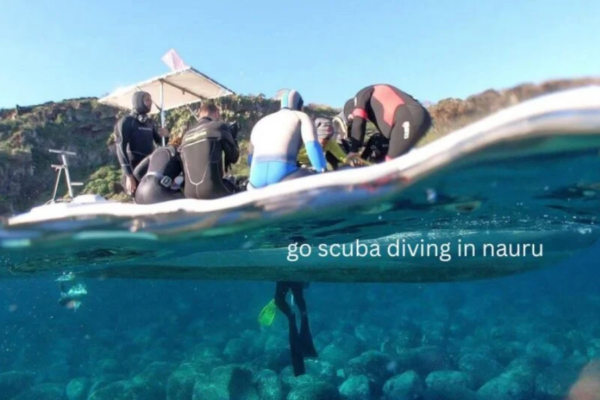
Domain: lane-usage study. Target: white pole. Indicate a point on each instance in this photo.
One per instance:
(162, 112)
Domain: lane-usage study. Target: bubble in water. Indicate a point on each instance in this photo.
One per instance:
(13, 308)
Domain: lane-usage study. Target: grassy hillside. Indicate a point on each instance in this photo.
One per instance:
(86, 127)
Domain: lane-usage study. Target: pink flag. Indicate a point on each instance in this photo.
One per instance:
(173, 61)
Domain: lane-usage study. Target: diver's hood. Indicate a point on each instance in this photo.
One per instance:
(291, 99)
(137, 101)
(324, 128)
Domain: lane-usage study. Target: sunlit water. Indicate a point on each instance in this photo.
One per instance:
(531, 336)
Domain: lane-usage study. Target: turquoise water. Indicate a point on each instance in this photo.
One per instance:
(531, 336)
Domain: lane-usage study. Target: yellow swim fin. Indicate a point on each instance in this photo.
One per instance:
(267, 314)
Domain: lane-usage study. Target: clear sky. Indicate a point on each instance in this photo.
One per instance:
(328, 50)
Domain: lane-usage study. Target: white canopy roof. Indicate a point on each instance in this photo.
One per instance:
(180, 88)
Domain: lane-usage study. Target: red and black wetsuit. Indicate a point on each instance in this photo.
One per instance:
(397, 115)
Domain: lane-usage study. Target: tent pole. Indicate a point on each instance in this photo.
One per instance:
(162, 112)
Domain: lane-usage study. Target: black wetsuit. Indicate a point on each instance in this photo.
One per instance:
(396, 114)
(376, 149)
(135, 135)
(301, 342)
(202, 150)
(155, 175)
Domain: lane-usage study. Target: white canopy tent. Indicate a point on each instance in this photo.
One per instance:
(169, 91)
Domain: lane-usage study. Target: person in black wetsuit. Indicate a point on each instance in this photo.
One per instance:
(397, 115)
(376, 149)
(135, 138)
(301, 343)
(157, 175)
(202, 151)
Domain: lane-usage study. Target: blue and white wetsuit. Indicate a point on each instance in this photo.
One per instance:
(276, 140)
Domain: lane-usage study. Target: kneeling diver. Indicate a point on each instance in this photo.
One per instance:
(157, 175)
(276, 141)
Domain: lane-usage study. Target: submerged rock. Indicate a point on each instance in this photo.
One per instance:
(78, 389)
(356, 387)
(47, 391)
(120, 390)
(314, 391)
(233, 380)
(481, 368)
(14, 382)
(108, 366)
(441, 379)
(268, 385)
(180, 384)
(407, 386)
(372, 364)
(554, 383)
(545, 352)
(152, 382)
(505, 387)
(428, 359)
(236, 350)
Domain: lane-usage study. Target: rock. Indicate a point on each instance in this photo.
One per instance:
(236, 350)
(523, 369)
(78, 389)
(206, 391)
(554, 383)
(450, 393)
(442, 379)
(235, 381)
(120, 390)
(356, 387)
(57, 373)
(14, 382)
(335, 355)
(180, 384)
(505, 352)
(320, 370)
(152, 382)
(505, 387)
(372, 364)
(427, 359)
(314, 391)
(545, 352)
(407, 386)
(370, 335)
(481, 368)
(108, 366)
(104, 380)
(47, 391)
(290, 381)
(268, 385)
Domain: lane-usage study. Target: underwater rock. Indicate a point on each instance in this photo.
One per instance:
(314, 391)
(427, 359)
(434, 333)
(234, 380)
(448, 378)
(206, 391)
(108, 366)
(57, 373)
(180, 384)
(450, 393)
(544, 351)
(407, 386)
(370, 335)
(46, 391)
(290, 381)
(320, 370)
(268, 385)
(505, 352)
(481, 368)
(14, 382)
(554, 383)
(372, 364)
(236, 350)
(78, 389)
(104, 380)
(335, 355)
(505, 387)
(524, 369)
(120, 390)
(152, 382)
(356, 387)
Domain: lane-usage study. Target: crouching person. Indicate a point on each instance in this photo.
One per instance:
(205, 150)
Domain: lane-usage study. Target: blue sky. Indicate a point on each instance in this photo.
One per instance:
(52, 50)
